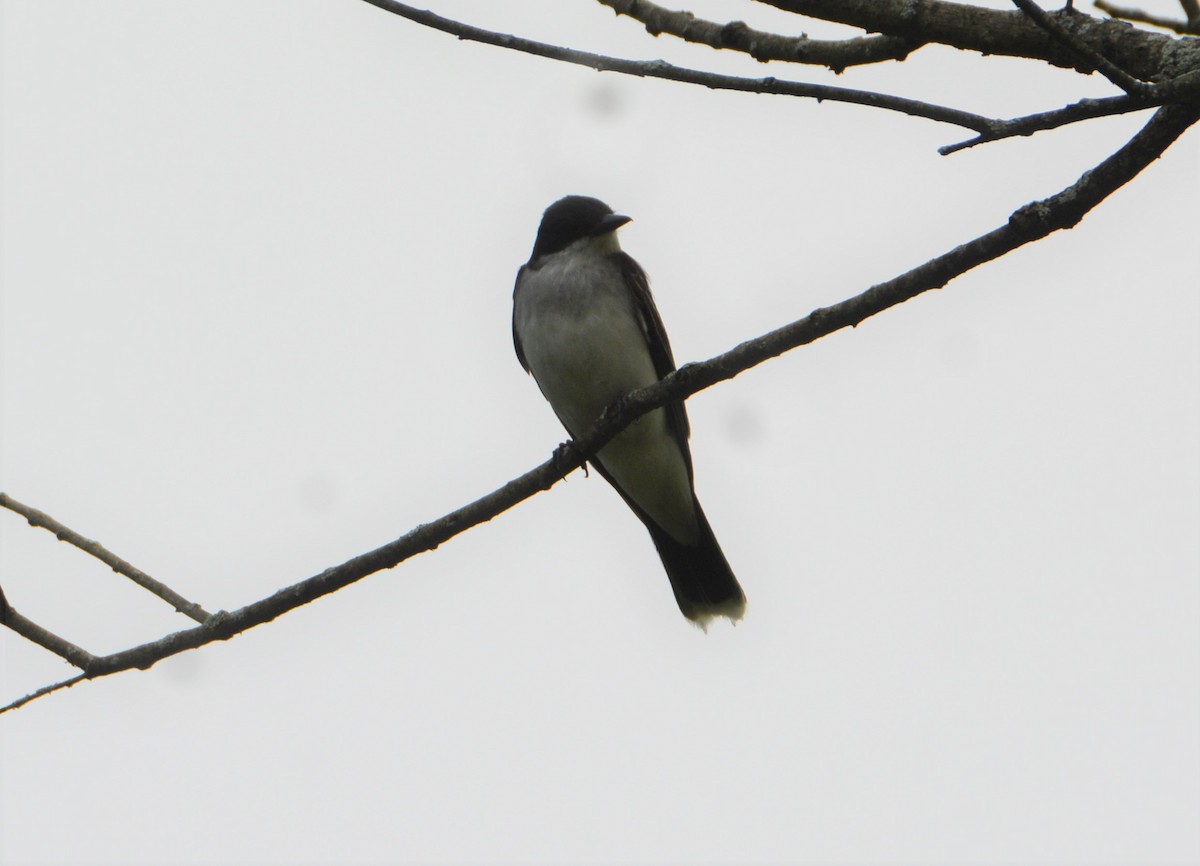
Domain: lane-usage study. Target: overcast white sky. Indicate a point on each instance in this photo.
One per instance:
(257, 272)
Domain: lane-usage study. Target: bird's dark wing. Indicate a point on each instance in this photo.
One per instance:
(516, 338)
(660, 346)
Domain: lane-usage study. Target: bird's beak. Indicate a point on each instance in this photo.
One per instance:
(611, 223)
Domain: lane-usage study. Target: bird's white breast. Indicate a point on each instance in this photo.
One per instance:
(586, 345)
(582, 338)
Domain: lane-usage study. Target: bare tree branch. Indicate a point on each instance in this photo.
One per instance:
(990, 31)
(1103, 65)
(761, 45)
(1027, 224)
(1129, 13)
(1184, 87)
(31, 631)
(94, 548)
(670, 72)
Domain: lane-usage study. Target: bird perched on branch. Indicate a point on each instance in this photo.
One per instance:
(585, 326)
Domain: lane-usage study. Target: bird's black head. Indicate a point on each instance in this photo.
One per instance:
(571, 219)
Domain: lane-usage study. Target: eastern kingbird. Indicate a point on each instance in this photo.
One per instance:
(585, 326)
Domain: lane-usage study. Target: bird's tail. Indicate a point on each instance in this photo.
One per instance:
(704, 585)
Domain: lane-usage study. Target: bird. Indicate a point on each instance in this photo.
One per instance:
(586, 327)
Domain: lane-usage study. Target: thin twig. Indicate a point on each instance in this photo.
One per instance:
(837, 54)
(670, 72)
(94, 548)
(43, 691)
(1027, 224)
(1129, 13)
(1085, 109)
(1103, 65)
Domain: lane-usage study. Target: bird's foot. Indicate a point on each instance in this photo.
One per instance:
(566, 457)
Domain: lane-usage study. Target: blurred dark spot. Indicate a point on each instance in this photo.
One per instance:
(743, 425)
(604, 101)
(183, 669)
